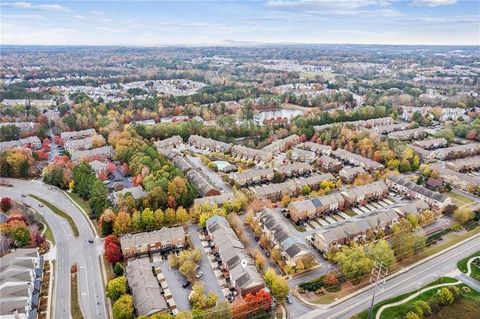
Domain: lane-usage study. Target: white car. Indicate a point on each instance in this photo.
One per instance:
(199, 274)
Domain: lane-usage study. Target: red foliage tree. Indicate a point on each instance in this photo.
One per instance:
(113, 253)
(18, 218)
(5, 204)
(252, 304)
(111, 239)
(111, 168)
(41, 155)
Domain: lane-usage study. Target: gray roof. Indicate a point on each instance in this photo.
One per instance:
(418, 188)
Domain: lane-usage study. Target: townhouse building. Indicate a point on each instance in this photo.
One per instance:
(432, 143)
(21, 274)
(252, 176)
(464, 164)
(311, 208)
(292, 252)
(363, 194)
(104, 152)
(318, 149)
(301, 155)
(294, 169)
(409, 189)
(457, 151)
(251, 154)
(32, 142)
(282, 145)
(169, 143)
(161, 240)
(329, 164)
(209, 144)
(357, 160)
(348, 173)
(244, 280)
(77, 134)
(406, 135)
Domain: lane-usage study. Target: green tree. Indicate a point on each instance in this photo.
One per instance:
(98, 197)
(21, 236)
(118, 269)
(463, 215)
(382, 251)
(83, 177)
(123, 308)
(116, 288)
(353, 262)
(277, 284)
(148, 219)
(412, 315)
(444, 296)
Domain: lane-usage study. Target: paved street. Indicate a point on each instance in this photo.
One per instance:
(410, 280)
(69, 249)
(197, 162)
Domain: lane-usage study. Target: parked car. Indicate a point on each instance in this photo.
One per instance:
(267, 253)
(197, 267)
(289, 300)
(90, 241)
(40, 205)
(186, 284)
(199, 274)
(23, 195)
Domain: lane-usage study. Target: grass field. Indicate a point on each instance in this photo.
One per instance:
(59, 212)
(80, 201)
(462, 265)
(472, 298)
(459, 199)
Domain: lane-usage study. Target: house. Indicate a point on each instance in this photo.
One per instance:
(98, 167)
(136, 192)
(425, 155)
(23, 126)
(161, 240)
(215, 200)
(466, 181)
(329, 164)
(79, 144)
(103, 152)
(313, 181)
(457, 151)
(414, 207)
(21, 273)
(301, 155)
(251, 154)
(275, 191)
(282, 145)
(203, 185)
(348, 173)
(311, 208)
(431, 143)
(411, 134)
(362, 194)
(77, 134)
(352, 230)
(292, 252)
(464, 164)
(385, 129)
(409, 189)
(318, 149)
(244, 280)
(147, 297)
(169, 143)
(209, 144)
(32, 142)
(357, 160)
(252, 176)
(294, 169)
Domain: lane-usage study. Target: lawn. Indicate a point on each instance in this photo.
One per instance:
(80, 201)
(459, 199)
(462, 265)
(48, 231)
(400, 310)
(59, 212)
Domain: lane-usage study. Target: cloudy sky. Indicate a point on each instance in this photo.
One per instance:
(196, 22)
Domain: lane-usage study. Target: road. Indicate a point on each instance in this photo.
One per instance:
(69, 250)
(411, 279)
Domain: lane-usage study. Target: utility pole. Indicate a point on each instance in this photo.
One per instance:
(377, 278)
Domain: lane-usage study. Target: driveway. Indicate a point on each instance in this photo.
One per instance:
(209, 280)
(174, 280)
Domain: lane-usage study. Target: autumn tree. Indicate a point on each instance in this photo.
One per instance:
(122, 224)
(123, 308)
(277, 284)
(116, 288)
(381, 251)
(5, 204)
(113, 252)
(107, 221)
(200, 300)
(463, 215)
(353, 262)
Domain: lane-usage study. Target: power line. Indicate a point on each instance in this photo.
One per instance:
(379, 272)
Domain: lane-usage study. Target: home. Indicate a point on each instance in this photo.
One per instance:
(251, 154)
(362, 194)
(171, 142)
(244, 278)
(161, 240)
(215, 200)
(23, 126)
(329, 164)
(21, 273)
(147, 297)
(318, 149)
(409, 189)
(294, 169)
(252, 176)
(352, 230)
(282, 145)
(457, 151)
(411, 134)
(348, 173)
(464, 164)
(103, 152)
(431, 143)
(209, 144)
(313, 181)
(292, 252)
(391, 128)
(275, 191)
(311, 208)
(301, 155)
(203, 185)
(465, 181)
(98, 167)
(136, 192)
(32, 142)
(80, 144)
(357, 160)
(77, 134)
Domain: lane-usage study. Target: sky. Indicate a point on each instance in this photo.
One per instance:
(196, 22)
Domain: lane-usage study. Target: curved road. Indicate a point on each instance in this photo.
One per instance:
(69, 249)
(411, 279)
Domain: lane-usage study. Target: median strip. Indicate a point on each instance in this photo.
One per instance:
(59, 212)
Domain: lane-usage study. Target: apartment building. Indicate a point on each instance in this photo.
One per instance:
(301, 155)
(411, 134)
(103, 152)
(66, 136)
(32, 142)
(209, 144)
(357, 160)
(251, 154)
(282, 145)
(348, 173)
(432, 143)
(171, 142)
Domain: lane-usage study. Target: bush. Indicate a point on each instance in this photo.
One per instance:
(434, 305)
(118, 269)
